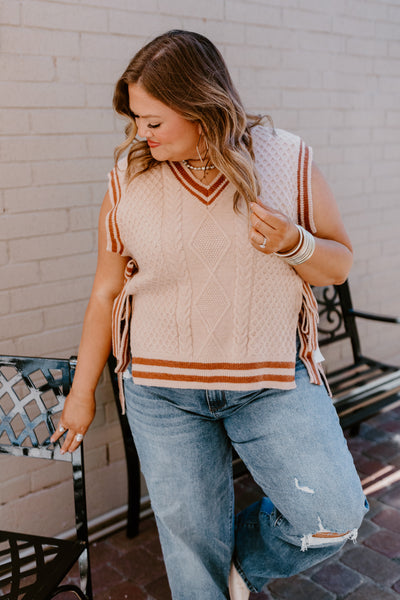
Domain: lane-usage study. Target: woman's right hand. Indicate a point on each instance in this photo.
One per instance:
(78, 413)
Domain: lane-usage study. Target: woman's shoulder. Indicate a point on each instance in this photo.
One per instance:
(121, 166)
(116, 175)
(276, 145)
(126, 174)
(273, 135)
(132, 167)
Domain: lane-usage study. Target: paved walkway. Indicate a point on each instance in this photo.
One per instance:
(369, 570)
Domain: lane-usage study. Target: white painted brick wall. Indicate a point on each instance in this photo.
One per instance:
(329, 71)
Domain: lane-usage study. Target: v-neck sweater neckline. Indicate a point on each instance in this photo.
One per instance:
(207, 194)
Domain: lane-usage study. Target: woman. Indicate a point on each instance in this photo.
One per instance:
(211, 233)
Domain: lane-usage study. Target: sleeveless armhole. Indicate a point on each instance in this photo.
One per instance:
(304, 199)
(308, 317)
(114, 242)
(123, 303)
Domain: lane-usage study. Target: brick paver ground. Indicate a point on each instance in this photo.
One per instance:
(368, 570)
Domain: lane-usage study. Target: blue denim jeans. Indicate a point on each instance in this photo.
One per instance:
(292, 444)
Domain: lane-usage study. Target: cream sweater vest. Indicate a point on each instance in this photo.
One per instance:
(201, 308)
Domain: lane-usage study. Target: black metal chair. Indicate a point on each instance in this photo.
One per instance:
(32, 394)
(365, 385)
(132, 459)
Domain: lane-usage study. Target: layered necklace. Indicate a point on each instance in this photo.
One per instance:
(202, 168)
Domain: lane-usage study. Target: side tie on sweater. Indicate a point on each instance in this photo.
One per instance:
(121, 320)
(308, 333)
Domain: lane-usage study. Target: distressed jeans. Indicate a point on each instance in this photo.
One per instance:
(292, 444)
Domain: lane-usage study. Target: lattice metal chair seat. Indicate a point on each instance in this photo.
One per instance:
(32, 394)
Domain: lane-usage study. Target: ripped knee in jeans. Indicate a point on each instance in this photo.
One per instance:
(325, 537)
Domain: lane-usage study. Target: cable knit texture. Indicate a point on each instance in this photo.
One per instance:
(202, 308)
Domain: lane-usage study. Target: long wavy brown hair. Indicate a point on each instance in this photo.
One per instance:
(185, 71)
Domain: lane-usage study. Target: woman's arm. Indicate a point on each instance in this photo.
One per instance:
(333, 255)
(95, 342)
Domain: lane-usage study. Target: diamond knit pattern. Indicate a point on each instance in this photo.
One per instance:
(210, 242)
(212, 295)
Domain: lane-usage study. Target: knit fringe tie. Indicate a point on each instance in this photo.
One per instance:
(121, 321)
(308, 333)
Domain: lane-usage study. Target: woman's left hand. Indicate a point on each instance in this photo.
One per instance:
(271, 231)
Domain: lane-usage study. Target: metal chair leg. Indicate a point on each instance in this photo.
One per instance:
(69, 588)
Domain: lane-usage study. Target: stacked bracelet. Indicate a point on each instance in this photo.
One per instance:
(302, 251)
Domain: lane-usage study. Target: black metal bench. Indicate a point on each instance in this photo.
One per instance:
(32, 394)
(361, 388)
(364, 385)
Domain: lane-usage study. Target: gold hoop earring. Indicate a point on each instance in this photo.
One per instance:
(203, 167)
(198, 149)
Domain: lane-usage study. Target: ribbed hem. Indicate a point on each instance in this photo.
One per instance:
(224, 376)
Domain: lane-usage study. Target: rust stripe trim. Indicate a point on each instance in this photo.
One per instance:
(299, 187)
(196, 184)
(115, 236)
(212, 366)
(304, 196)
(306, 191)
(202, 193)
(211, 379)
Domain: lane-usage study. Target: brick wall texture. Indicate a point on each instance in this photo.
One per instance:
(329, 71)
